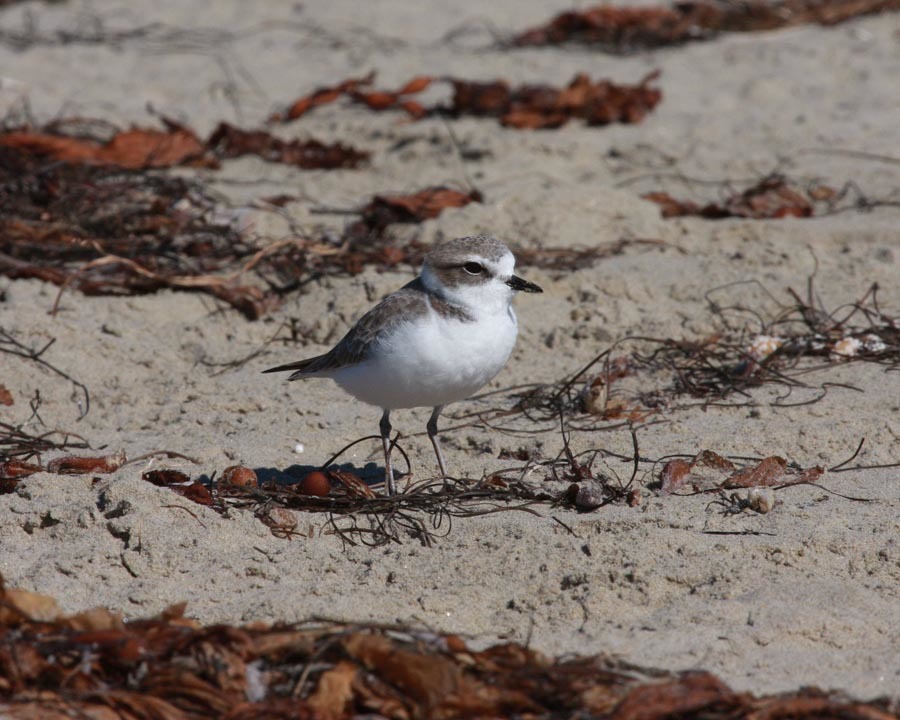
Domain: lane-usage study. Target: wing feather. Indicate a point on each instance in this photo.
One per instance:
(410, 301)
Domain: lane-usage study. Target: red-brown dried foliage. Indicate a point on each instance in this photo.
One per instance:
(709, 471)
(104, 230)
(176, 144)
(623, 29)
(169, 667)
(228, 141)
(772, 197)
(525, 107)
(384, 210)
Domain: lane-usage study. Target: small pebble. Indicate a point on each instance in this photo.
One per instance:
(316, 483)
(240, 476)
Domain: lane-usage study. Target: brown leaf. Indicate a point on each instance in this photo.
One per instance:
(322, 96)
(6, 397)
(683, 697)
(196, 492)
(334, 692)
(414, 109)
(352, 483)
(810, 475)
(427, 679)
(228, 141)
(384, 210)
(136, 148)
(624, 29)
(674, 475)
(376, 100)
(140, 148)
(282, 521)
(480, 98)
(670, 206)
(533, 120)
(95, 620)
(416, 85)
(768, 471)
(15, 469)
(71, 465)
(17, 606)
(708, 458)
(771, 198)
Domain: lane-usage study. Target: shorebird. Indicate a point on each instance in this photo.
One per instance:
(436, 340)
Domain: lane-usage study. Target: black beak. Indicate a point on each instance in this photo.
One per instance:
(518, 284)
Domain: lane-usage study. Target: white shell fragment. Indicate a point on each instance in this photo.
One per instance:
(845, 348)
(763, 346)
(762, 500)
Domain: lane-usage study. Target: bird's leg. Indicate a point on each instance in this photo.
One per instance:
(386, 442)
(432, 435)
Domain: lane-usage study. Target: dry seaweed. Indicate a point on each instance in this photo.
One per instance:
(525, 107)
(80, 141)
(627, 29)
(772, 196)
(95, 664)
(104, 230)
(10, 345)
(621, 386)
(228, 141)
(20, 450)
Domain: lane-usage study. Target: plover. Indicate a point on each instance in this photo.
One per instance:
(438, 339)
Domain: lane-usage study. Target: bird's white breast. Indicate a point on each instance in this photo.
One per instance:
(432, 360)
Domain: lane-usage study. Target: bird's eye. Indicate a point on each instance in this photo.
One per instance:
(473, 268)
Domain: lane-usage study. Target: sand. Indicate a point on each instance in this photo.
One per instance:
(808, 594)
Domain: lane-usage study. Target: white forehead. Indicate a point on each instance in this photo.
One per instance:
(504, 266)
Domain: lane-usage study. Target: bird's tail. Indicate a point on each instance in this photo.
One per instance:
(299, 367)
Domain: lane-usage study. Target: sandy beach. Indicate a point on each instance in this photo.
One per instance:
(805, 594)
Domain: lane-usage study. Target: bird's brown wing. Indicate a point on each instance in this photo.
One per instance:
(408, 302)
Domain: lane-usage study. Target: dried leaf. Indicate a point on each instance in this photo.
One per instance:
(691, 692)
(6, 397)
(543, 106)
(169, 668)
(810, 475)
(674, 475)
(196, 492)
(228, 141)
(768, 471)
(15, 469)
(427, 679)
(71, 465)
(136, 148)
(526, 107)
(352, 484)
(707, 458)
(107, 625)
(624, 29)
(17, 606)
(771, 198)
(334, 692)
(322, 96)
(384, 210)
